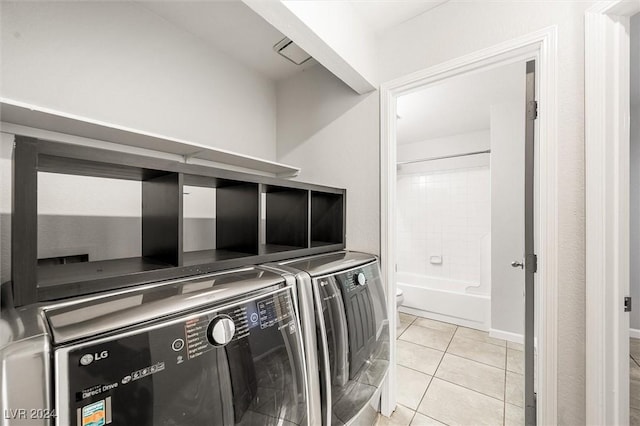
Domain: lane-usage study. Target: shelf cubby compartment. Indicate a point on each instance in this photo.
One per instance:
(220, 220)
(103, 242)
(285, 219)
(327, 219)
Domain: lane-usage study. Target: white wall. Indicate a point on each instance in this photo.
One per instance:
(6, 152)
(454, 29)
(89, 215)
(199, 227)
(507, 215)
(332, 134)
(119, 63)
(338, 25)
(440, 147)
(635, 169)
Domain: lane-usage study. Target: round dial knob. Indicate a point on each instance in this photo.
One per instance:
(361, 279)
(221, 330)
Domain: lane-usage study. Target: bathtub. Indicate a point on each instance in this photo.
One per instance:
(457, 302)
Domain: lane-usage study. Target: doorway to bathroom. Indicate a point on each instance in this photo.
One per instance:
(460, 240)
(460, 334)
(460, 201)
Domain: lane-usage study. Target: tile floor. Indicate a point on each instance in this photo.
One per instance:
(451, 375)
(634, 381)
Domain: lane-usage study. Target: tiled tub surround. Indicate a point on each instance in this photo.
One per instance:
(443, 213)
(444, 242)
(452, 375)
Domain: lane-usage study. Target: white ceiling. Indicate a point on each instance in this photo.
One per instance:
(459, 105)
(381, 15)
(233, 28)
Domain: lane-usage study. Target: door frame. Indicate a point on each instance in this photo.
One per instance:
(541, 46)
(607, 117)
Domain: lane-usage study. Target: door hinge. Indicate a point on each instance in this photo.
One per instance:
(532, 261)
(532, 110)
(627, 304)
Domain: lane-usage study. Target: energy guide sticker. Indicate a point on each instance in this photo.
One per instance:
(94, 414)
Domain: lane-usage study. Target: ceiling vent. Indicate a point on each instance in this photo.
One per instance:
(291, 51)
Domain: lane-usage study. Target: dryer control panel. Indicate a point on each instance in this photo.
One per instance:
(358, 297)
(353, 280)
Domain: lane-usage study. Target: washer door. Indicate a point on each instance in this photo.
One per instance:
(242, 364)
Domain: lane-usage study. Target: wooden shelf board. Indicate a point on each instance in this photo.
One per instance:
(202, 257)
(323, 243)
(53, 275)
(277, 248)
(23, 114)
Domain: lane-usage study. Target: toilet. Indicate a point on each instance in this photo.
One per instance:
(399, 300)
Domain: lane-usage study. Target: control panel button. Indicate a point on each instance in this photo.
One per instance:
(177, 345)
(221, 330)
(360, 279)
(86, 359)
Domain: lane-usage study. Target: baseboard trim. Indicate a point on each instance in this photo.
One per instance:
(634, 332)
(444, 318)
(507, 335)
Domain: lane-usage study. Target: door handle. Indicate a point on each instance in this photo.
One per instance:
(517, 264)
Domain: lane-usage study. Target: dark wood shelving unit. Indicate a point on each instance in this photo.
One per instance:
(237, 221)
(328, 219)
(200, 257)
(300, 219)
(287, 219)
(56, 275)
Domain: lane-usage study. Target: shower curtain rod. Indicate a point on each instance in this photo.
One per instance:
(488, 151)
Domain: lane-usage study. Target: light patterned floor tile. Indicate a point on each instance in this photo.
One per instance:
(516, 346)
(513, 415)
(478, 351)
(634, 369)
(411, 386)
(481, 336)
(634, 394)
(634, 348)
(418, 357)
(401, 417)
(515, 361)
(474, 375)
(455, 405)
(514, 392)
(422, 420)
(429, 337)
(407, 318)
(436, 325)
(405, 321)
(634, 417)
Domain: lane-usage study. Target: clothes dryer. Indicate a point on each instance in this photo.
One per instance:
(352, 331)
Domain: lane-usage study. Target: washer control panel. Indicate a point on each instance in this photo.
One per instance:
(221, 330)
(355, 279)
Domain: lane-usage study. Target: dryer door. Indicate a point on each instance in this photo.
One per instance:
(241, 364)
(354, 337)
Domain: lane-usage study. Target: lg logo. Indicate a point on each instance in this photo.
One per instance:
(87, 359)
